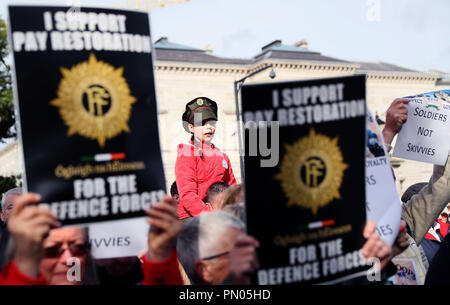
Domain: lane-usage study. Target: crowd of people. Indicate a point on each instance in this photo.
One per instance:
(198, 234)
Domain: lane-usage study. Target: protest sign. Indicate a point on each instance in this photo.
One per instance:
(307, 207)
(120, 238)
(424, 136)
(407, 273)
(84, 89)
(383, 204)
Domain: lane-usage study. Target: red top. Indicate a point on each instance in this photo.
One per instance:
(195, 172)
(443, 230)
(166, 272)
(11, 275)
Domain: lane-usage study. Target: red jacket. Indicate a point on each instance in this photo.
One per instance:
(195, 173)
(11, 275)
(166, 272)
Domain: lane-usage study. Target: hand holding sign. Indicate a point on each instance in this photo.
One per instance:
(164, 228)
(396, 116)
(29, 226)
(382, 204)
(375, 246)
(243, 259)
(401, 243)
(421, 139)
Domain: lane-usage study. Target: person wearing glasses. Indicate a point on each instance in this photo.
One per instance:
(28, 225)
(213, 249)
(44, 253)
(66, 258)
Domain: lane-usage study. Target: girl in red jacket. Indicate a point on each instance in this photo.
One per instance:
(199, 164)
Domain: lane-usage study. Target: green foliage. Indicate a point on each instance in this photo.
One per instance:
(7, 183)
(7, 117)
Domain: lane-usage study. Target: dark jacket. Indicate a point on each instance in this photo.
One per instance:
(439, 271)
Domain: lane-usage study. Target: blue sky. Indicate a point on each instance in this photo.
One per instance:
(409, 33)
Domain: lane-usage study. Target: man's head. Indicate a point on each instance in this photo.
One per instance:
(8, 201)
(204, 244)
(174, 192)
(213, 193)
(236, 209)
(231, 195)
(200, 118)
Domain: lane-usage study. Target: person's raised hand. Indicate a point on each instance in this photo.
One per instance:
(29, 225)
(375, 247)
(396, 116)
(243, 259)
(164, 228)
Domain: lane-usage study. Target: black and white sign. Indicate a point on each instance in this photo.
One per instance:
(307, 207)
(84, 88)
(383, 203)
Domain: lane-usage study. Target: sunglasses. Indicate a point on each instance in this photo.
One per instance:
(215, 256)
(57, 250)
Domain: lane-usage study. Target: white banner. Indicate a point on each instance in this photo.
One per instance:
(382, 200)
(119, 238)
(424, 136)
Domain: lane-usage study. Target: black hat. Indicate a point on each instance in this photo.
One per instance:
(203, 105)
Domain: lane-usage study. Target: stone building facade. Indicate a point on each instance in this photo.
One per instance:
(183, 73)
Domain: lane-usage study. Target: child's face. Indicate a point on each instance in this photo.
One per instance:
(203, 133)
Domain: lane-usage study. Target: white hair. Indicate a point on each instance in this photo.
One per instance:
(14, 191)
(200, 237)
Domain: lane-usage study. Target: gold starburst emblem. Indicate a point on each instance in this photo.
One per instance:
(312, 171)
(94, 100)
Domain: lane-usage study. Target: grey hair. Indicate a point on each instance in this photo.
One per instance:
(16, 191)
(236, 209)
(200, 237)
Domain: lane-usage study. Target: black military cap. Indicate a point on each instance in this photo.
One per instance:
(203, 105)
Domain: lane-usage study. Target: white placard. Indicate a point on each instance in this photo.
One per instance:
(382, 200)
(407, 273)
(424, 136)
(119, 238)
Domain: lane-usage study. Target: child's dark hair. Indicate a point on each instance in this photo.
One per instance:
(215, 189)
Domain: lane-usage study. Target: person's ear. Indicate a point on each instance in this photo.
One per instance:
(191, 128)
(2, 216)
(202, 270)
